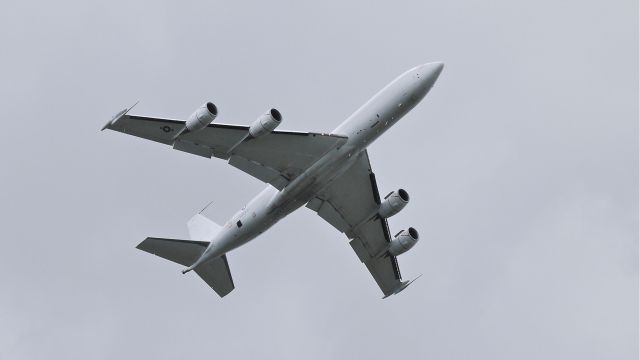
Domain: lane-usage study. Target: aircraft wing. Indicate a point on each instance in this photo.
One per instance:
(351, 204)
(275, 158)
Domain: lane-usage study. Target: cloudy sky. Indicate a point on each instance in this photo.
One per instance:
(522, 165)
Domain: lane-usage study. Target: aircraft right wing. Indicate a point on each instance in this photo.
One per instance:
(275, 158)
(350, 204)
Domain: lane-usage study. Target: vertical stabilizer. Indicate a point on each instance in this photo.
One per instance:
(202, 228)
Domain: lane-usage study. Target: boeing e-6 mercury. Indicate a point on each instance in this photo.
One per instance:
(329, 173)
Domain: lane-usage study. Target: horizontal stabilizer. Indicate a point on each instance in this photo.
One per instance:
(184, 252)
(216, 274)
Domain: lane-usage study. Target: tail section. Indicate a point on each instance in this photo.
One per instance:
(214, 272)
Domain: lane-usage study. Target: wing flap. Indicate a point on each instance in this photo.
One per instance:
(374, 235)
(257, 170)
(193, 148)
(332, 216)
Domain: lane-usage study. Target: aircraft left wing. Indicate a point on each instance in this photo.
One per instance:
(351, 204)
(275, 158)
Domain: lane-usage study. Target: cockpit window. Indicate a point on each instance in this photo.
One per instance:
(239, 223)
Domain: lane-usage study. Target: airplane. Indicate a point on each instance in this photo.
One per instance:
(328, 173)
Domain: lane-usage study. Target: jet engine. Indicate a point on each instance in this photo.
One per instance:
(202, 117)
(403, 241)
(393, 203)
(266, 123)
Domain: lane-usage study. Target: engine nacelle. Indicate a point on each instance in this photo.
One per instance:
(266, 123)
(202, 117)
(404, 241)
(393, 203)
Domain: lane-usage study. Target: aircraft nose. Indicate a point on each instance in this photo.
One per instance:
(429, 72)
(425, 76)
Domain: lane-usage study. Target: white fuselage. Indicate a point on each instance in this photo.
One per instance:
(363, 127)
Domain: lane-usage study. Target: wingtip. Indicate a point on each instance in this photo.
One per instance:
(132, 106)
(118, 116)
(403, 285)
(140, 245)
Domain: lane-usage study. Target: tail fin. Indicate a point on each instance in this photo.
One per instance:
(202, 228)
(215, 273)
(184, 252)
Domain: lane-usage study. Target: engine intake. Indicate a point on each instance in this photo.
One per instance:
(266, 123)
(393, 203)
(202, 117)
(403, 241)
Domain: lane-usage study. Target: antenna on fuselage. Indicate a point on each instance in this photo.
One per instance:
(205, 208)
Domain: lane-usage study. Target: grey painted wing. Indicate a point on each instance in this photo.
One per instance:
(350, 204)
(275, 158)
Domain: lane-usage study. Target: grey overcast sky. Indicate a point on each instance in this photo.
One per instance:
(522, 165)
